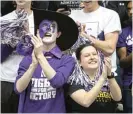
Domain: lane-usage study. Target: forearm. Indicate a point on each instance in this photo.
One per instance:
(90, 96)
(104, 46)
(115, 90)
(23, 82)
(126, 62)
(47, 69)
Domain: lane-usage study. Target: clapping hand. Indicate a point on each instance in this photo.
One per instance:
(85, 35)
(34, 59)
(108, 65)
(104, 72)
(38, 45)
(81, 28)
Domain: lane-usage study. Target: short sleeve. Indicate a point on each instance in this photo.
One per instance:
(112, 22)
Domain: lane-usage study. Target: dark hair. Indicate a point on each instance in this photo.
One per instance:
(80, 48)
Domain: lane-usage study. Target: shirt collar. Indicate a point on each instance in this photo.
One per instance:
(54, 51)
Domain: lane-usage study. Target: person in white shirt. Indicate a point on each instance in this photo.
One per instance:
(101, 27)
(9, 66)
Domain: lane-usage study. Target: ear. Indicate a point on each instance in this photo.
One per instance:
(58, 34)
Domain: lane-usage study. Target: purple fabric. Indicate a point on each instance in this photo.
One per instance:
(25, 46)
(12, 31)
(126, 40)
(41, 95)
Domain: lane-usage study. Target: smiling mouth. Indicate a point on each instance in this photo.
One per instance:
(92, 62)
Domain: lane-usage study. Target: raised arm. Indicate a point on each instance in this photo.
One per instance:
(25, 73)
(113, 86)
(111, 30)
(57, 78)
(85, 98)
(108, 45)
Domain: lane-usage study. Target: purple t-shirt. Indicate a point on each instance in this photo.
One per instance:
(126, 40)
(43, 95)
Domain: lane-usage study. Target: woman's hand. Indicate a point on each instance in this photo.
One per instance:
(38, 45)
(104, 73)
(108, 65)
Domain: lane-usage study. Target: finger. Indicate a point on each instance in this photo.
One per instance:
(32, 53)
(36, 39)
(39, 38)
(108, 65)
(33, 38)
(108, 62)
(104, 71)
(33, 42)
(84, 35)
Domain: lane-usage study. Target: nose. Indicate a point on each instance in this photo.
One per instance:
(92, 56)
(48, 28)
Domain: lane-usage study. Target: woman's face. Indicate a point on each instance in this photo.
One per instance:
(89, 58)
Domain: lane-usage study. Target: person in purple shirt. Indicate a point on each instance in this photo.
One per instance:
(124, 51)
(42, 74)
